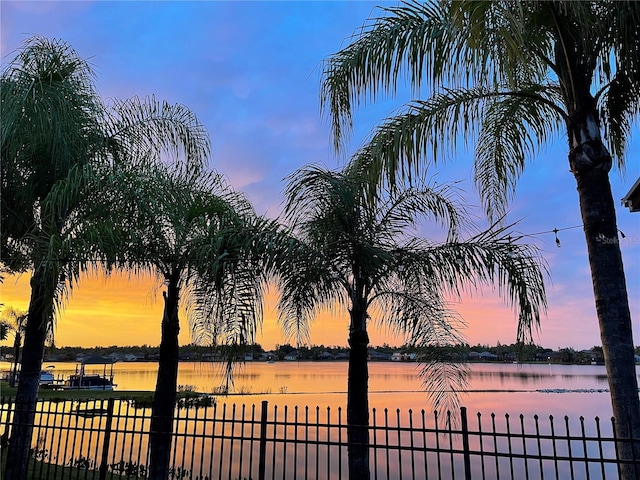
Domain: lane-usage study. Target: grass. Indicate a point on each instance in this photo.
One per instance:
(140, 398)
(62, 395)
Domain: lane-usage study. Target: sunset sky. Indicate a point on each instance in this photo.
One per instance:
(251, 72)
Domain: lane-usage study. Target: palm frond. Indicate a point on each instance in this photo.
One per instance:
(50, 122)
(493, 258)
(499, 43)
(372, 61)
(307, 284)
(451, 44)
(515, 126)
(509, 126)
(227, 256)
(149, 129)
(620, 103)
(444, 381)
(413, 205)
(414, 307)
(226, 310)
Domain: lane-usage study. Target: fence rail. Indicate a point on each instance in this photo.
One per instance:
(100, 439)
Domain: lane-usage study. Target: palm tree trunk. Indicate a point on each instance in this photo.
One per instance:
(164, 399)
(590, 163)
(16, 357)
(25, 403)
(358, 398)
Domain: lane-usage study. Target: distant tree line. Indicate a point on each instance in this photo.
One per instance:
(255, 351)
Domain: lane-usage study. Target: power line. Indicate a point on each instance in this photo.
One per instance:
(555, 232)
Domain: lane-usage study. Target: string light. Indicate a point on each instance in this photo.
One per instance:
(556, 230)
(555, 233)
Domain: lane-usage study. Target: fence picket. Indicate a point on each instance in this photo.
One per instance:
(106, 442)
(263, 441)
(465, 443)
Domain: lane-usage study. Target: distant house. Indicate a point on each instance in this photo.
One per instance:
(325, 356)
(210, 357)
(130, 357)
(123, 357)
(595, 357)
(488, 356)
(291, 355)
(397, 357)
(381, 356)
(510, 356)
(482, 357)
(94, 360)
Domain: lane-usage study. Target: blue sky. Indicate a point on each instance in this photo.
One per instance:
(251, 72)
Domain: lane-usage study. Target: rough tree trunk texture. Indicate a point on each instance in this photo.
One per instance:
(27, 393)
(164, 398)
(358, 398)
(590, 163)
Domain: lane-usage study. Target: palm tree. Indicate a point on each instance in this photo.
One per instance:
(509, 75)
(15, 320)
(58, 143)
(360, 252)
(199, 237)
(50, 122)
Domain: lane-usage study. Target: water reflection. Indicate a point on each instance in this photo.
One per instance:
(502, 388)
(593, 375)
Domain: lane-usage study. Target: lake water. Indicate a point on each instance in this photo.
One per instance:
(543, 389)
(513, 389)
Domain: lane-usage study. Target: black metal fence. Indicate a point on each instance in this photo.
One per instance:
(100, 439)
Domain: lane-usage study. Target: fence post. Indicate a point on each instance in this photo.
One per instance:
(263, 441)
(107, 440)
(465, 444)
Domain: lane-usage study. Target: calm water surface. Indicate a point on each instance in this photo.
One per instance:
(543, 389)
(513, 389)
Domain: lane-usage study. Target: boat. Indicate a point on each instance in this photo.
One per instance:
(81, 380)
(88, 382)
(47, 377)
